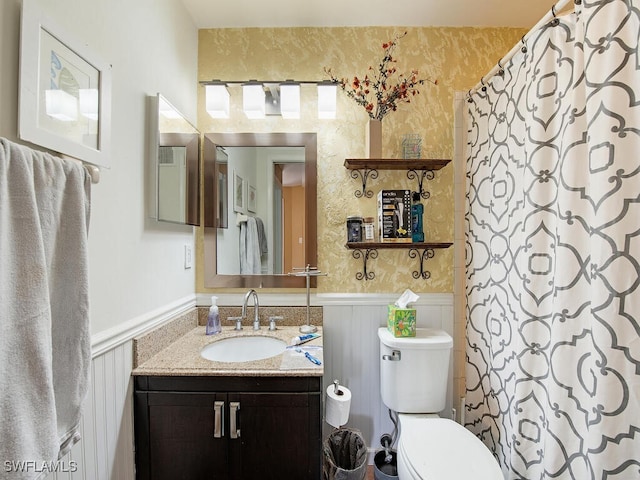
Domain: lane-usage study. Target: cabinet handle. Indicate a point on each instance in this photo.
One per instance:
(218, 415)
(233, 412)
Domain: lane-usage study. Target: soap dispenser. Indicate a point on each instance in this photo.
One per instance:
(213, 320)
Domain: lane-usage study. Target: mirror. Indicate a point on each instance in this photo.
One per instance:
(268, 187)
(270, 181)
(174, 165)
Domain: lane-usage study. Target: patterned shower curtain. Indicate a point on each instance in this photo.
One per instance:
(553, 251)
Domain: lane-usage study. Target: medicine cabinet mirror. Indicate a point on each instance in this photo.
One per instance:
(174, 165)
(268, 178)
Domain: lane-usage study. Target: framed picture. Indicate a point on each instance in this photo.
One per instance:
(251, 199)
(239, 202)
(65, 91)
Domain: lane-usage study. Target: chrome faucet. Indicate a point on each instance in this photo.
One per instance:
(256, 307)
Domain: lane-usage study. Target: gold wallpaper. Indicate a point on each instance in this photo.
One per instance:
(457, 57)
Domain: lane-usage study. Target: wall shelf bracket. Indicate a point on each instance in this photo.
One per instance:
(420, 175)
(365, 254)
(426, 254)
(369, 250)
(364, 174)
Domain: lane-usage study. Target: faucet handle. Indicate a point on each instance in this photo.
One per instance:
(272, 321)
(238, 321)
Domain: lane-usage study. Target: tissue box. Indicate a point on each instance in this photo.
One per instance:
(402, 321)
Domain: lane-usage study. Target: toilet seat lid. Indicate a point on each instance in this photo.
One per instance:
(438, 448)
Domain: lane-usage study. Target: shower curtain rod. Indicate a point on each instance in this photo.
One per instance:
(500, 66)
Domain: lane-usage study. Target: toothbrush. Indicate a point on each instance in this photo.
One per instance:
(310, 357)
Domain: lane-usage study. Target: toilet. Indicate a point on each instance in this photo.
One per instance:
(414, 373)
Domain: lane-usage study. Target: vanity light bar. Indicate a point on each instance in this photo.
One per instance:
(217, 100)
(253, 100)
(253, 97)
(327, 100)
(290, 100)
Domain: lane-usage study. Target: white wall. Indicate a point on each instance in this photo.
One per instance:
(136, 265)
(137, 278)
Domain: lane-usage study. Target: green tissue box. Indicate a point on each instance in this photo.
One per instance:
(402, 321)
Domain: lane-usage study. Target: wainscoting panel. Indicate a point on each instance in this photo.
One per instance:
(351, 355)
(351, 352)
(106, 449)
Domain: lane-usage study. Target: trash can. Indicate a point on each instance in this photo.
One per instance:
(386, 465)
(345, 456)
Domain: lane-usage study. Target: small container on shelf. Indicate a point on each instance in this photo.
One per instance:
(354, 229)
(417, 210)
(411, 146)
(368, 229)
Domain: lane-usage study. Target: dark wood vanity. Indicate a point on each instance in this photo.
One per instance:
(228, 427)
(200, 419)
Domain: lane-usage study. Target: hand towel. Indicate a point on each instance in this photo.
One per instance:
(250, 262)
(262, 237)
(44, 327)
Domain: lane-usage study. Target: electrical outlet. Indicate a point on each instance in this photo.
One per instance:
(188, 257)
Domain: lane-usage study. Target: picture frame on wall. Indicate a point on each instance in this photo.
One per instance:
(239, 201)
(251, 199)
(64, 93)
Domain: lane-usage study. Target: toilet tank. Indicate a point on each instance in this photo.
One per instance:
(414, 371)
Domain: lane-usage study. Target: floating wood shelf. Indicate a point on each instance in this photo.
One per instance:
(417, 168)
(396, 163)
(369, 250)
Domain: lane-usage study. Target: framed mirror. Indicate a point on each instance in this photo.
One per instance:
(271, 182)
(174, 165)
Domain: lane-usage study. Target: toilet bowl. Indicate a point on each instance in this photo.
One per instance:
(440, 449)
(414, 373)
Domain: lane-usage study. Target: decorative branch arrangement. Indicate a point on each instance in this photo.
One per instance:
(383, 88)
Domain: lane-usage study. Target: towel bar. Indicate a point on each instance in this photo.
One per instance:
(94, 172)
(241, 218)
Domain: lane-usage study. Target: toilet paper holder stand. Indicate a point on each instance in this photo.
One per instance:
(336, 388)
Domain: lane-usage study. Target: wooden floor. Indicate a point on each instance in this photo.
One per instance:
(369, 473)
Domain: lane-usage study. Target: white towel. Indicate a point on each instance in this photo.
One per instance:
(45, 349)
(250, 263)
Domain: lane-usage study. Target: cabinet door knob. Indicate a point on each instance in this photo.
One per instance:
(218, 419)
(233, 412)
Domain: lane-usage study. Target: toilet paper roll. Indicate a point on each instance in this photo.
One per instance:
(337, 406)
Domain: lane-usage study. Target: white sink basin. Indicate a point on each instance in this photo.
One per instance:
(243, 349)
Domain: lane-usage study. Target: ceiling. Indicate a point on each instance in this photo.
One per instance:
(341, 13)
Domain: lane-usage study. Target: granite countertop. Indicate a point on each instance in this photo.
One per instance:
(182, 357)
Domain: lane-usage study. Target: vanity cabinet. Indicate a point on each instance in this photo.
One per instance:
(227, 427)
